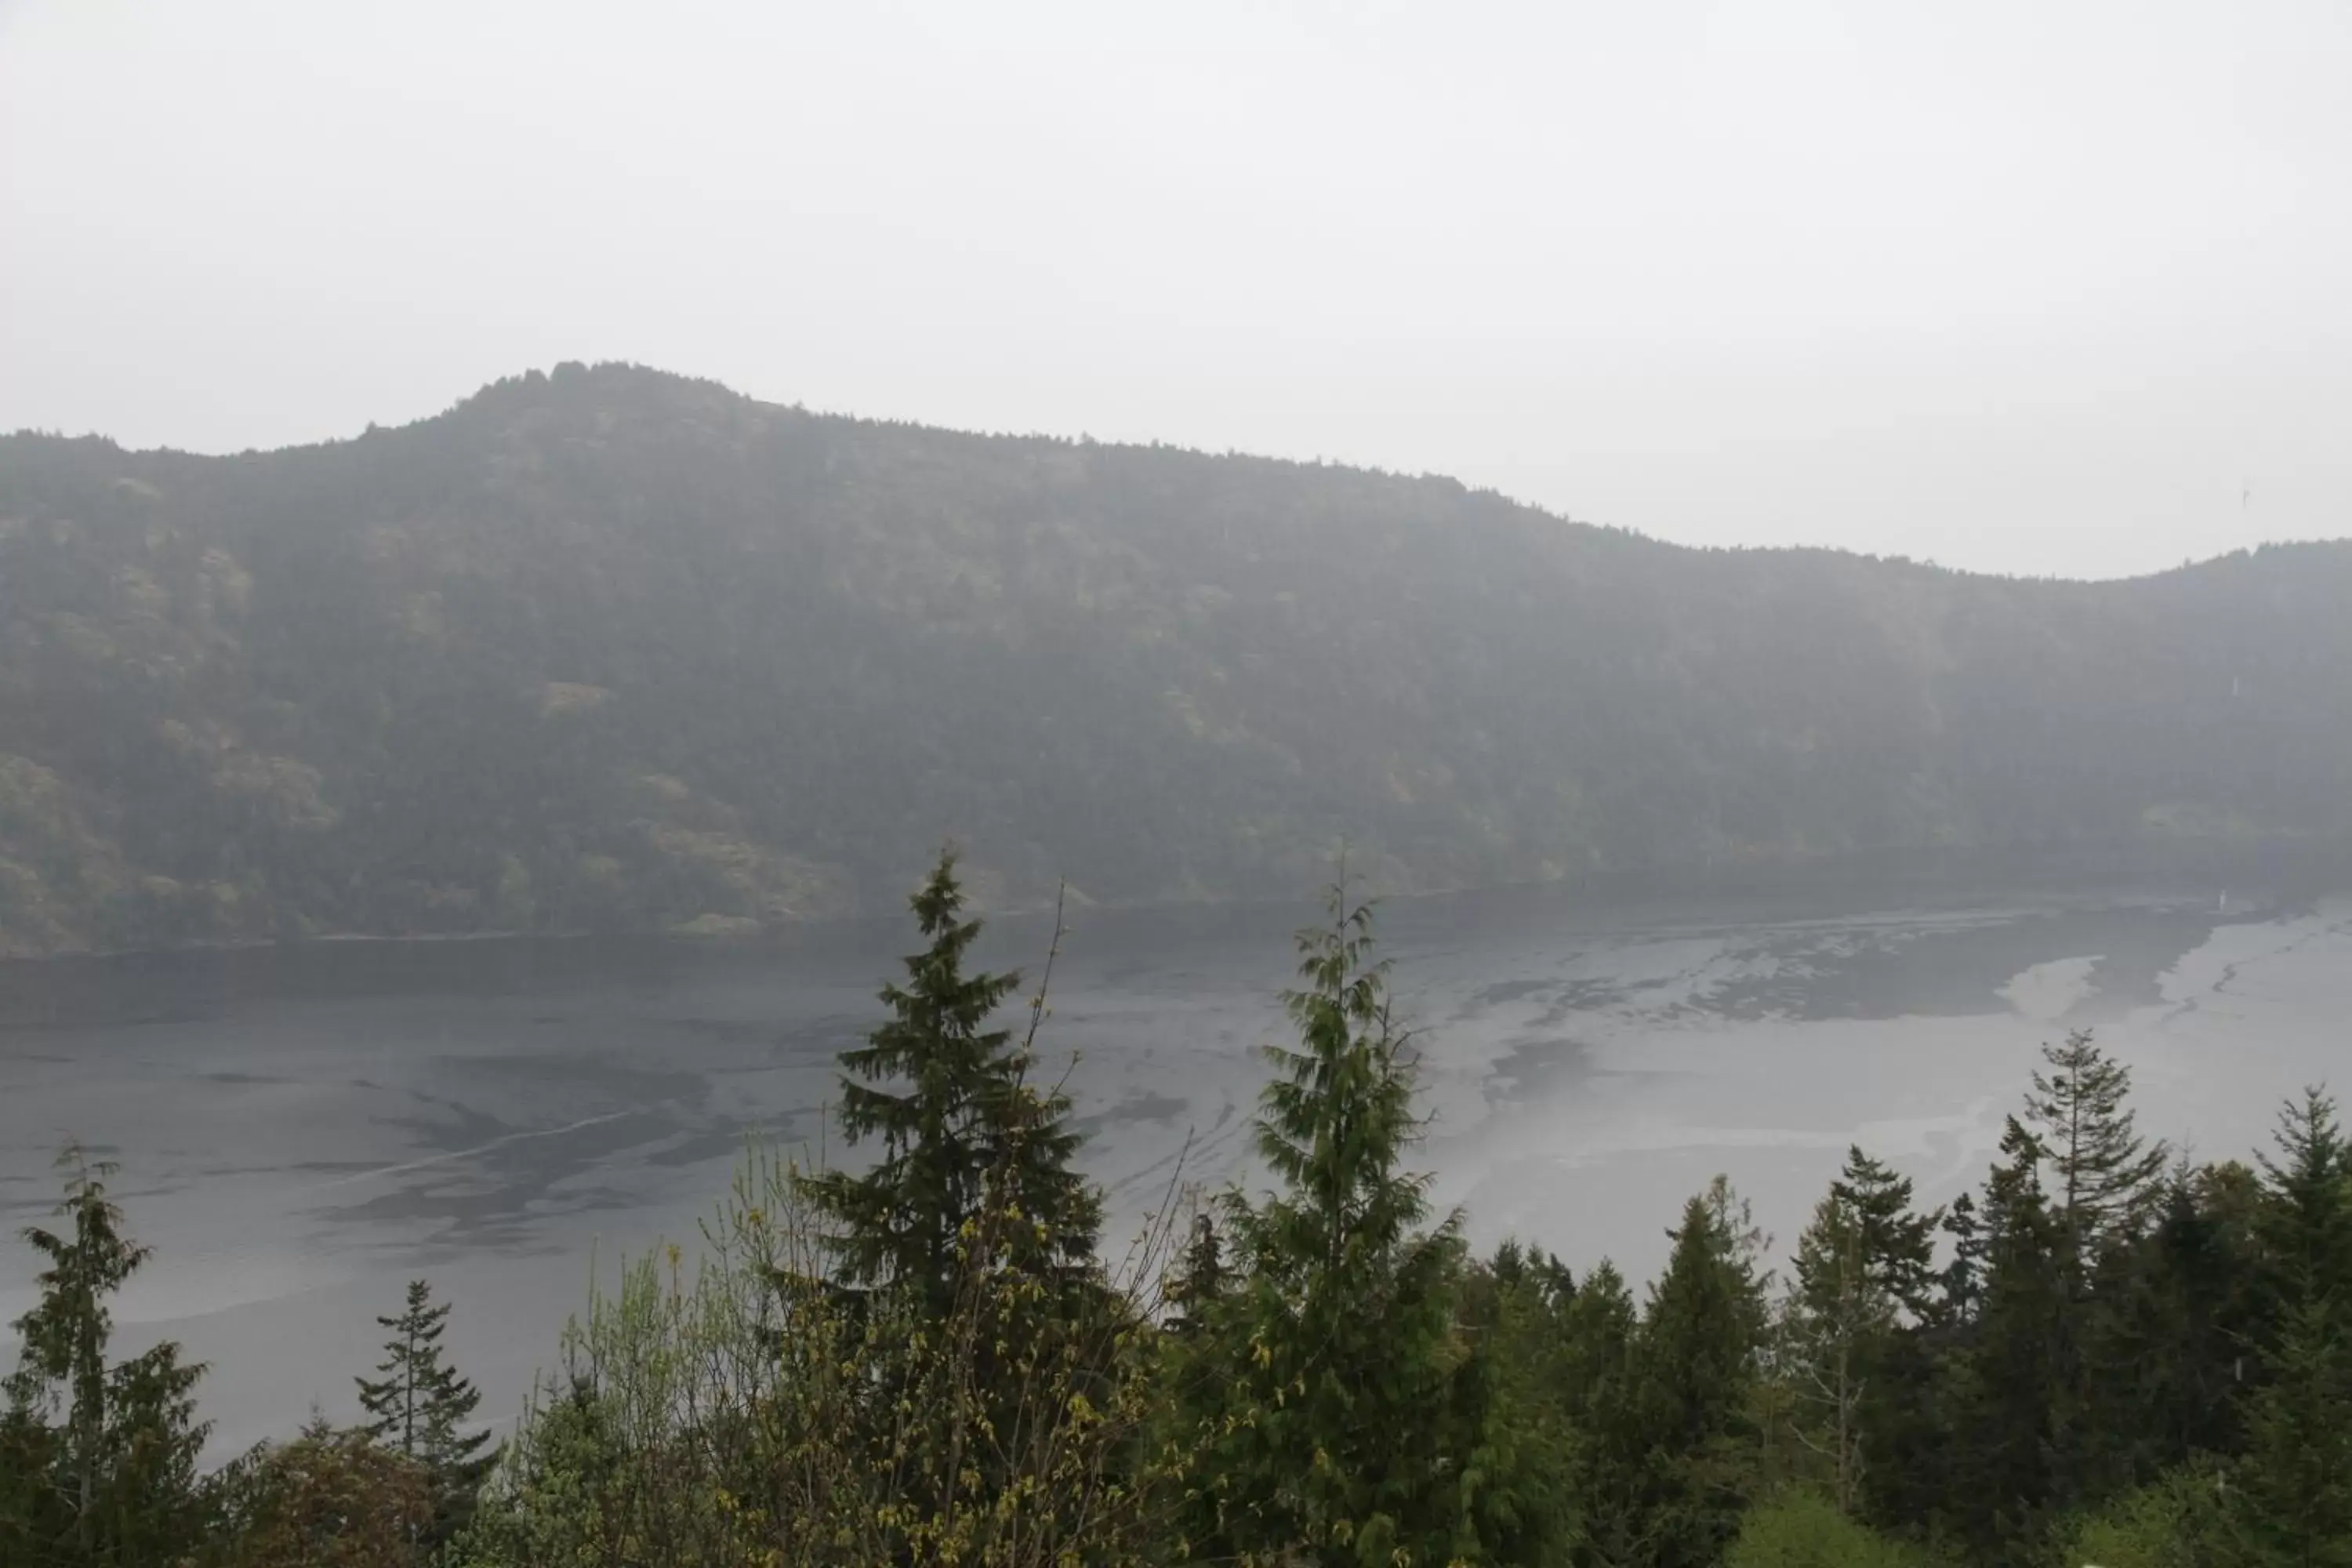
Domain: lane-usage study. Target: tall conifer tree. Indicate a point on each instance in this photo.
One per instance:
(2103, 1173)
(2175, 1329)
(1601, 1385)
(2008, 1401)
(2304, 1222)
(959, 1121)
(2299, 1421)
(1832, 1325)
(1898, 1245)
(420, 1407)
(1321, 1436)
(1200, 1279)
(1699, 1342)
(2104, 1185)
(103, 1456)
(1862, 1305)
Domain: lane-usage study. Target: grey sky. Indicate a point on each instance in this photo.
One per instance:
(2015, 284)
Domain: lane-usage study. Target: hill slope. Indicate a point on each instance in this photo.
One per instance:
(611, 649)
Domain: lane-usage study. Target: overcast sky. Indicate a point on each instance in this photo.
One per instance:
(2018, 285)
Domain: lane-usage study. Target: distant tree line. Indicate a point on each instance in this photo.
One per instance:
(2107, 1353)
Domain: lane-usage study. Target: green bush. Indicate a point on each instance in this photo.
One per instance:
(2187, 1520)
(1803, 1531)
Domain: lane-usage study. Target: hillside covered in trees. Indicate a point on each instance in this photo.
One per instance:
(614, 649)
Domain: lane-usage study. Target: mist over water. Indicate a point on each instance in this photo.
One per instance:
(304, 1128)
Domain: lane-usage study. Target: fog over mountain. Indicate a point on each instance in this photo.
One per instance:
(611, 649)
(2011, 287)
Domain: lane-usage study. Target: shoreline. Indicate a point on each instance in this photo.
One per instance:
(2271, 869)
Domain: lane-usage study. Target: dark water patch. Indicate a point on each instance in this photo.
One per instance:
(489, 1192)
(708, 1146)
(1536, 1067)
(460, 1128)
(621, 1081)
(1507, 991)
(730, 1031)
(1580, 997)
(1165, 1109)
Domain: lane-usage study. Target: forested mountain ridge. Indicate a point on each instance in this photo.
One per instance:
(615, 650)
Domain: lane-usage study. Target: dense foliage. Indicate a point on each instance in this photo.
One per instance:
(2105, 1354)
(612, 649)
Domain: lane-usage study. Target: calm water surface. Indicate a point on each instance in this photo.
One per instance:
(301, 1131)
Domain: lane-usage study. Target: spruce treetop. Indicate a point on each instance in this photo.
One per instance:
(960, 1124)
(2105, 1173)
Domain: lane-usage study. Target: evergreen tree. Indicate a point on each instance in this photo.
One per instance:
(420, 1405)
(2104, 1185)
(1518, 1498)
(1201, 1278)
(1960, 1286)
(1925, 1394)
(1855, 1358)
(1516, 1267)
(2102, 1172)
(950, 1102)
(2299, 1431)
(1600, 1386)
(102, 1457)
(1700, 1343)
(1320, 1437)
(1832, 1325)
(1905, 1428)
(1897, 1246)
(2303, 1224)
(2008, 1403)
(2299, 1421)
(2173, 1329)
(1553, 1279)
